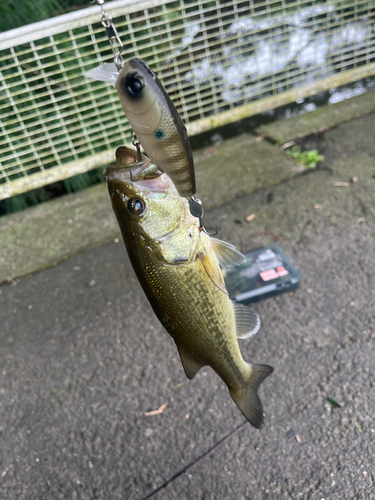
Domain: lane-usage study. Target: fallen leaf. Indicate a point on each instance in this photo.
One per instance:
(341, 184)
(156, 412)
(333, 403)
(250, 217)
(287, 145)
(276, 237)
(333, 223)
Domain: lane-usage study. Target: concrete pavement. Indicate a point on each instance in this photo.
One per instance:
(83, 360)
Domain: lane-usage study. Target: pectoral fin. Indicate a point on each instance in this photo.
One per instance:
(247, 321)
(191, 367)
(213, 271)
(226, 253)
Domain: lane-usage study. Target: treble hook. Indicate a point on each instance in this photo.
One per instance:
(196, 210)
(201, 228)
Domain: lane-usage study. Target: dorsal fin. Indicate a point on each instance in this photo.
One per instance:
(226, 253)
(247, 321)
(105, 72)
(191, 367)
(213, 270)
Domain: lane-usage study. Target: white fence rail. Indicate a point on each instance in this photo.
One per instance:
(227, 60)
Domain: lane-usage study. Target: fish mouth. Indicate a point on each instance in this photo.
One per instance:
(121, 176)
(123, 170)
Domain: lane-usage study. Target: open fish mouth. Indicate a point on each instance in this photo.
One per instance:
(123, 170)
(122, 175)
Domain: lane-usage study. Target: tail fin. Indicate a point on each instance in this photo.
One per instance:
(247, 398)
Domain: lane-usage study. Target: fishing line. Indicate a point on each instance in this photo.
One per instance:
(199, 459)
(117, 45)
(166, 59)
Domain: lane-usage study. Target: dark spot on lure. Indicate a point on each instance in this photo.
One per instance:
(159, 134)
(133, 85)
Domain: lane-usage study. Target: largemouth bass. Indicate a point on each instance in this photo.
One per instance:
(154, 119)
(178, 268)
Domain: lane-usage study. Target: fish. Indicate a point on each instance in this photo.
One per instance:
(154, 119)
(179, 269)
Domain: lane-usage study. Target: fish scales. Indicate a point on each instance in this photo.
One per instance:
(201, 314)
(179, 271)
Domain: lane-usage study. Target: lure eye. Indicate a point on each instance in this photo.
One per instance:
(134, 85)
(136, 206)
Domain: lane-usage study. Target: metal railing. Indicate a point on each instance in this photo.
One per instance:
(219, 60)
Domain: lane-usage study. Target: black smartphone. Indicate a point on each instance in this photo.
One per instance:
(266, 272)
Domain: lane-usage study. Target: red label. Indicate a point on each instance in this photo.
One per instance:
(272, 274)
(268, 275)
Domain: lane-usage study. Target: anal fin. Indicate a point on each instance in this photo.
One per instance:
(247, 321)
(190, 365)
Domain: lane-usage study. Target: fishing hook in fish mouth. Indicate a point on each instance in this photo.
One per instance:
(196, 210)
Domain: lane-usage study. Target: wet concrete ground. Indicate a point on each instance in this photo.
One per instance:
(83, 359)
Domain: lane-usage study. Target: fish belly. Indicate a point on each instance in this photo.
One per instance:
(198, 316)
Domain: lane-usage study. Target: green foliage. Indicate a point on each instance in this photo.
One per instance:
(82, 181)
(15, 13)
(333, 403)
(22, 201)
(264, 129)
(308, 158)
(70, 185)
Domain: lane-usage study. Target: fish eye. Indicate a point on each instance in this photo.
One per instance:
(136, 206)
(134, 85)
